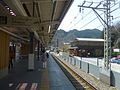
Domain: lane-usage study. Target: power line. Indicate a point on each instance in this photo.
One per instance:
(81, 19)
(89, 22)
(115, 9)
(100, 20)
(107, 22)
(96, 17)
(90, 12)
(116, 17)
(101, 14)
(98, 26)
(73, 19)
(87, 15)
(115, 4)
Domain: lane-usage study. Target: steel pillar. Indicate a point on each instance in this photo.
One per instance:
(38, 49)
(107, 35)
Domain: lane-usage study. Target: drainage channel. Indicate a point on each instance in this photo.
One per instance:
(78, 82)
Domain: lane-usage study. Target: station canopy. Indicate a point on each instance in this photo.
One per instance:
(43, 17)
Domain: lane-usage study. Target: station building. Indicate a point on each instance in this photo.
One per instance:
(87, 47)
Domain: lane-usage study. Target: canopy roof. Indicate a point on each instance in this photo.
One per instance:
(42, 17)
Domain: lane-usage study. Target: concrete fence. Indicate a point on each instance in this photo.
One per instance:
(92, 69)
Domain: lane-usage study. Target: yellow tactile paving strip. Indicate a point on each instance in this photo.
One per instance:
(44, 83)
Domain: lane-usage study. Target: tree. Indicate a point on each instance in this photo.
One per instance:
(115, 35)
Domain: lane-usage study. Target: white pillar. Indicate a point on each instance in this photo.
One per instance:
(31, 62)
(31, 53)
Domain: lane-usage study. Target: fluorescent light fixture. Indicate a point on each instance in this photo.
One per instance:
(49, 28)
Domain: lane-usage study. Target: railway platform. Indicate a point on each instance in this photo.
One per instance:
(59, 75)
(50, 78)
(19, 78)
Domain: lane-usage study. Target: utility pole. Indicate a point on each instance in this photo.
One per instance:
(107, 25)
(107, 35)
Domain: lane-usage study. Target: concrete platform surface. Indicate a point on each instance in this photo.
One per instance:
(20, 78)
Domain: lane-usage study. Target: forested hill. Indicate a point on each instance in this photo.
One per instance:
(67, 37)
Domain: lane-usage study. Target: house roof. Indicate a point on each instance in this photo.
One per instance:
(66, 43)
(73, 47)
(89, 39)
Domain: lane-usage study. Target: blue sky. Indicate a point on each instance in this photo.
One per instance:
(75, 19)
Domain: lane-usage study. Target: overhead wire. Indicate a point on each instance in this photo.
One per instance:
(98, 26)
(112, 11)
(81, 19)
(115, 9)
(99, 19)
(87, 15)
(88, 22)
(73, 19)
(116, 17)
(96, 17)
(112, 20)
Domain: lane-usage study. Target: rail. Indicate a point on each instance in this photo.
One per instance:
(78, 82)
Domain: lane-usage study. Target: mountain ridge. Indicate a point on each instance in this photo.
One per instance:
(69, 36)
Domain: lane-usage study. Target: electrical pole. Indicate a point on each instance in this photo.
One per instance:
(107, 35)
(107, 26)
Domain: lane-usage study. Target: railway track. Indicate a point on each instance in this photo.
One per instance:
(78, 82)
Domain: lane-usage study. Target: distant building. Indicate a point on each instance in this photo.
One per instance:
(64, 47)
(88, 47)
(73, 51)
